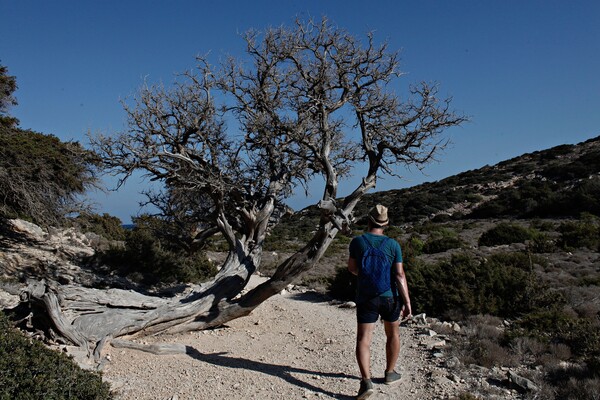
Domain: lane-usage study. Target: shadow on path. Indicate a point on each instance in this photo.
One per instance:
(311, 297)
(281, 371)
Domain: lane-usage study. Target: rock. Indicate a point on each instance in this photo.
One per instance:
(456, 327)
(446, 325)
(437, 345)
(453, 362)
(27, 228)
(420, 318)
(522, 383)
(8, 300)
(348, 304)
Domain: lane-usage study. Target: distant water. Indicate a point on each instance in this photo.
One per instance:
(128, 226)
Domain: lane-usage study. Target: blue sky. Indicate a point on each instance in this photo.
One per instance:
(525, 71)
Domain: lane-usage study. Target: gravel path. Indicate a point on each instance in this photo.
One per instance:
(294, 346)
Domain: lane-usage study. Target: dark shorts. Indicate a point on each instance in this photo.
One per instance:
(386, 307)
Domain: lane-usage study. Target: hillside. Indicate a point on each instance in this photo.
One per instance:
(535, 185)
(554, 184)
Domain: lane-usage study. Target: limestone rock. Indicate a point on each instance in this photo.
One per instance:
(27, 228)
(521, 382)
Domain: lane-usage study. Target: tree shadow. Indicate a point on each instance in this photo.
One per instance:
(281, 371)
(311, 297)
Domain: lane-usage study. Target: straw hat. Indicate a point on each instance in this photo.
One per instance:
(379, 215)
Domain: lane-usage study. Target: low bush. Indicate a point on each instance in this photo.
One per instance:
(107, 226)
(489, 353)
(28, 370)
(150, 256)
(555, 326)
(506, 233)
(480, 343)
(413, 247)
(504, 284)
(542, 243)
(442, 239)
(580, 234)
(575, 381)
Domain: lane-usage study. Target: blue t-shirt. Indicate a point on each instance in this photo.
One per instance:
(391, 249)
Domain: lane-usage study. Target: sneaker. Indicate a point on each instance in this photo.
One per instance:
(392, 377)
(366, 389)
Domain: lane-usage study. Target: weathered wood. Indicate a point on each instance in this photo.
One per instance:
(60, 322)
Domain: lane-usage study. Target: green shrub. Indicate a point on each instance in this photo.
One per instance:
(392, 231)
(152, 255)
(413, 247)
(42, 177)
(504, 285)
(442, 239)
(543, 225)
(579, 168)
(542, 243)
(578, 234)
(28, 370)
(292, 231)
(505, 233)
(105, 225)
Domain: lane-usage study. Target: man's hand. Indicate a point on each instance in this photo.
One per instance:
(406, 311)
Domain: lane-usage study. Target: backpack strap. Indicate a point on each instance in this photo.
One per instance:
(385, 239)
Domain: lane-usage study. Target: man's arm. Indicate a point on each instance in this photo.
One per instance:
(402, 288)
(352, 266)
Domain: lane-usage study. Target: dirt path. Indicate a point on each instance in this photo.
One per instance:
(293, 346)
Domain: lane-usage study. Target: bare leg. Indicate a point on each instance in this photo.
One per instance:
(364, 335)
(392, 344)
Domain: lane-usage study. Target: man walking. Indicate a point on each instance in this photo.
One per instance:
(379, 294)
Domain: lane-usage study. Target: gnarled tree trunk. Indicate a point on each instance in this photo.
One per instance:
(91, 318)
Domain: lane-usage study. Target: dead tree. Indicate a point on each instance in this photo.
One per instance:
(310, 102)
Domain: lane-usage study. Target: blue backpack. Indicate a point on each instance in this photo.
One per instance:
(375, 272)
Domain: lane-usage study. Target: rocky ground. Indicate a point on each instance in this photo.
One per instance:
(296, 345)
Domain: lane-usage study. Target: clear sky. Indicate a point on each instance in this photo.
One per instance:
(527, 72)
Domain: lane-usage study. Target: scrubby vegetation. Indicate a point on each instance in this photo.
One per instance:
(502, 284)
(29, 370)
(514, 312)
(40, 176)
(107, 226)
(151, 254)
(506, 233)
(580, 234)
